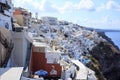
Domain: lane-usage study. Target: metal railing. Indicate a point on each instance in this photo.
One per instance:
(28, 56)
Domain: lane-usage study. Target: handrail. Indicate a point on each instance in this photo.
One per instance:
(29, 52)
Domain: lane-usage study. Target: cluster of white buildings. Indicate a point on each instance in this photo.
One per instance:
(49, 20)
(71, 38)
(44, 43)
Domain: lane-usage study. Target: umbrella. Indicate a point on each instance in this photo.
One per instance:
(41, 73)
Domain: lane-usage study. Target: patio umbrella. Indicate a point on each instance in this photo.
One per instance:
(42, 73)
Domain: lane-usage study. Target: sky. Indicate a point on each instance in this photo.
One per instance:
(103, 14)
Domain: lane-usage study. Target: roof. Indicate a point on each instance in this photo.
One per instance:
(17, 12)
(13, 73)
(39, 44)
(20, 11)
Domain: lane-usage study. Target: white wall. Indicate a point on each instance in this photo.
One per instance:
(52, 57)
(4, 20)
(24, 78)
(20, 49)
(49, 20)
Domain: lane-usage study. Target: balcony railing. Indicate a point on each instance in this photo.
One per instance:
(5, 4)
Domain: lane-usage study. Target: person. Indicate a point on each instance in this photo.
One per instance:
(55, 61)
(53, 71)
(35, 76)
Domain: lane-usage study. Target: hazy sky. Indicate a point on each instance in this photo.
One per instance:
(89, 13)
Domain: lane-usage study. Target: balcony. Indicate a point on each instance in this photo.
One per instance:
(5, 4)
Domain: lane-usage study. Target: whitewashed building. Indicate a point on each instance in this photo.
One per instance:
(22, 16)
(34, 22)
(21, 49)
(6, 14)
(49, 20)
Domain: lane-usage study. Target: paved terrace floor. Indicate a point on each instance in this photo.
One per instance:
(13, 73)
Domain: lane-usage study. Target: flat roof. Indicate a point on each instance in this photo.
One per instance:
(13, 73)
(53, 51)
(39, 44)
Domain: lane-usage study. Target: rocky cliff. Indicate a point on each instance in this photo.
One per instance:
(6, 46)
(106, 60)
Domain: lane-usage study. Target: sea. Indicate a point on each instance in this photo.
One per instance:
(115, 37)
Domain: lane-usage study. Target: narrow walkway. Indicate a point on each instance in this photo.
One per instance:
(82, 73)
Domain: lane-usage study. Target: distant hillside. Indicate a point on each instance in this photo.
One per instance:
(103, 30)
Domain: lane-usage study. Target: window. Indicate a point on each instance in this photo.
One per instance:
(0, 9)
(7, 25)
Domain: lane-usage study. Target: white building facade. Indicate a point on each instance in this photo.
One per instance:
(49, 20)
(6, 14)
(20, 50)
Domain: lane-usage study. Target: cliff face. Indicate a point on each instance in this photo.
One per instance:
(6, 45)
(108, 39)
(106, 60)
